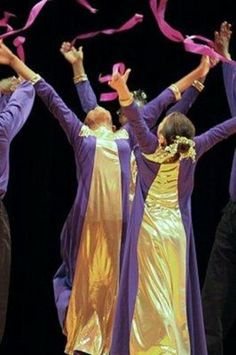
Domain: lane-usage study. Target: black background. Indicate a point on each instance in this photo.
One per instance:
(42, 179)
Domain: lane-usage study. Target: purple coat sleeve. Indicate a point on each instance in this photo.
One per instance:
(152, 111)
(186, 102)
(232, 185)
(147, 141)
(16, 110)
(207, 140)
(67, 119)
(229, 74)
(4, 100)
(86, 95)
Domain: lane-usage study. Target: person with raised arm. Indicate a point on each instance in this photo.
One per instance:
(159, 303)
(219, 288)
(16, 101)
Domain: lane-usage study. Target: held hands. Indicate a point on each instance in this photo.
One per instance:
(6, 55)
(71, 54)
(222, 39)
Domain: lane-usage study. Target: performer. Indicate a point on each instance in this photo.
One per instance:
(219, 289)
(86, 284)
(16, 101)
(159, 305)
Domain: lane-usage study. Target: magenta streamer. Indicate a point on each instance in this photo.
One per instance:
(205, 48)
(126, 26)
(5, 19)
(86, 4)
(109, 96)
(32, 16)
(18, 43)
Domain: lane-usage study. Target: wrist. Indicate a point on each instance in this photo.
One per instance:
(126, 100)
(13, 61)
(80, 77)
(77, 62)
(198, 85)
(174, 88)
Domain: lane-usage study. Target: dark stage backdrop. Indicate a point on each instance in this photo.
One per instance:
(42, 179)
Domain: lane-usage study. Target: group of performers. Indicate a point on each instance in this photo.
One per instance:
(128, 282)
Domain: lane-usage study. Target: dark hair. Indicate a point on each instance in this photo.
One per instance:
(177, 124)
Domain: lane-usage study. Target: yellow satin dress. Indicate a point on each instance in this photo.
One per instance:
(159, 325)
(90, 315)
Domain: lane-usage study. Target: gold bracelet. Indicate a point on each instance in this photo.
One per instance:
(198, 85)
(35, 79)
(126, 102)
(80, 77)
(174, 88)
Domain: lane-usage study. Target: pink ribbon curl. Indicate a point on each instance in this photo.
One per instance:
(205, 48)
(5, 19)
(32, 16)
(126, 26)
(86, 4)
(19, 41)
(109, 96)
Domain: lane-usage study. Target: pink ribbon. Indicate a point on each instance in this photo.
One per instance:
(5, 19)
(18, 43)
(86, 4)
(109, 96)
(126, 26)
(205, 48)
(32, 16)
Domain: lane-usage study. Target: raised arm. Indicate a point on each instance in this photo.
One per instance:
(84, 90)
(16, 110)
(222, 41)
(68, 120)
(147, 141)
(188, 98)
(152, 111)
(207, 140)
(229, 73)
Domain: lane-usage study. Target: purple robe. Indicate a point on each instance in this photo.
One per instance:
(229, 72)
(84, 151)
(148, 171)
(14, 111)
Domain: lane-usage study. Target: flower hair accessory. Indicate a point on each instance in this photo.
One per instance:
(172, 149)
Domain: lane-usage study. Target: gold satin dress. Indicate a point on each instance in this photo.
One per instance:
(89, 319)
(159, 325)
